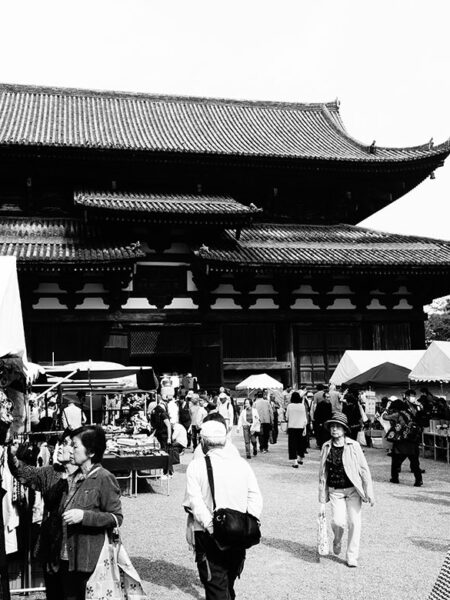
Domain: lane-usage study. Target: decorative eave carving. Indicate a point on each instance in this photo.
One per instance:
(285, 285)
(323, 286)
(115, 283)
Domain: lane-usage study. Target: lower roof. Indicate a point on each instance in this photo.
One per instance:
(167, 208)
(299, 247)
(68, 243)
(59, 243)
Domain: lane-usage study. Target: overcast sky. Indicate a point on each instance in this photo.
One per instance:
(387, 61)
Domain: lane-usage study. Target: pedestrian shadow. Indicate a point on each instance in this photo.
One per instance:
(169, 575)
(429, 544)
(425, 499)
(301, 551)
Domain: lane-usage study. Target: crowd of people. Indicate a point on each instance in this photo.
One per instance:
(82, 499)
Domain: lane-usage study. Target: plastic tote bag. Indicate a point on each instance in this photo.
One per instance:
(323, 547)
(361, 438)
(114, 577)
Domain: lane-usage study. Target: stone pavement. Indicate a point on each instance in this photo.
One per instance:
(405, 536)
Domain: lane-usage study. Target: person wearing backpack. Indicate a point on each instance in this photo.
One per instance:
(405, 441)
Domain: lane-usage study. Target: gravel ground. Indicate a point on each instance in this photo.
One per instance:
(405, 536)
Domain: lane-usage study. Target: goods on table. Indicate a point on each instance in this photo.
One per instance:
(135, 445)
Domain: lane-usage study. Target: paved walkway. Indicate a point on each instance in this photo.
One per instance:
(405, 536)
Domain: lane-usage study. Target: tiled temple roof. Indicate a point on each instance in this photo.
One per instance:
(55, 244)
(303, 247)
(69, 118)
(163, 208)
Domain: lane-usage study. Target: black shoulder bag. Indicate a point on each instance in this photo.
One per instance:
(232, 528)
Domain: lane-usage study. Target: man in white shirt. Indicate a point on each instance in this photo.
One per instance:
(73, 417)
(236, 488)
(198, 413)
(173, 411)
(225, 408)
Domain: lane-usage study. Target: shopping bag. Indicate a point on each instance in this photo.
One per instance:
(114, 577)
(361, 438)
(323, 547)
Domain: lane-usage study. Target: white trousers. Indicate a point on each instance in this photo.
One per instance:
(346, 506)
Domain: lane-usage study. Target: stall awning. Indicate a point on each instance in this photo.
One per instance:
(357, 362)
(434, 365)
(12, 337)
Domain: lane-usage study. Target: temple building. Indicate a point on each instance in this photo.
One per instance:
(209, 236)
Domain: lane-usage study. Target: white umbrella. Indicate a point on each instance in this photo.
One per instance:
(259, 382)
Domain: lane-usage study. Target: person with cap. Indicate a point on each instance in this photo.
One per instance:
(235, 488)
(344, 481)
(225, 408)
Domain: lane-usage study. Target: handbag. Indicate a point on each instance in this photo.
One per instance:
(361, 438)
(323, 546)
(114, 576)
(232, 528)
(362, 412)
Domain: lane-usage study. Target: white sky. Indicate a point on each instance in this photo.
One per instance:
(387, 61)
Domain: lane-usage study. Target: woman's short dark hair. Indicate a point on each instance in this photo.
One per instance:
(250, 400)
(296, 398)
(93, 439)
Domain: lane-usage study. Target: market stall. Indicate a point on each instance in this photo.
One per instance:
(383, 371)
(433, 370)
(12, 414)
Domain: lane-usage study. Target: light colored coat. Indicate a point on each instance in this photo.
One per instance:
(255, 425)
(356, 469)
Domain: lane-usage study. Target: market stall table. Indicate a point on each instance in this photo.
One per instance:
(136, 463)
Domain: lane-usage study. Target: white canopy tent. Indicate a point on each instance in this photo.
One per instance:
(434, 365)
(12, 337)
(356, 362)
(259, 382)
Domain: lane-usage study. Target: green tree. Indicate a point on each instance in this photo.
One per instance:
(437, 327)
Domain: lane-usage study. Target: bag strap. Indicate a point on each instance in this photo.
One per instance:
(210, 479)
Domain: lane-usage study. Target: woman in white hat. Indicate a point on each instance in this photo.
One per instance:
(345, 482)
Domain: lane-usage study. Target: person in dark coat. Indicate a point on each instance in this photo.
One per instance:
(90, 506)
(322, 413)
(51, 482)
(352, 411)
(406, 441)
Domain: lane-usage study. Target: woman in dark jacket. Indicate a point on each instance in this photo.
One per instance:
(51, 482)
(90, 506)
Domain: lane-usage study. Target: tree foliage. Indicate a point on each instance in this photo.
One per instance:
(437, 327)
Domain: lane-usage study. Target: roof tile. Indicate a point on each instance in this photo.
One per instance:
(110, 120)
(63, 242)
(304, 246)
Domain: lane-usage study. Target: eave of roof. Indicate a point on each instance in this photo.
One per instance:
(59, 244)
(323, 248)
(68, 118)
(167, 208)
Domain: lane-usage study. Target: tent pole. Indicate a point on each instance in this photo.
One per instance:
(55, 385)
(90, 394)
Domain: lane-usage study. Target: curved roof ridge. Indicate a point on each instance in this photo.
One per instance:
(337, 122)
(155, 97)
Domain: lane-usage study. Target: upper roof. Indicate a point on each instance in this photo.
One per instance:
(302, 247)
(58, 117)
(163, 208)
(62, 243)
